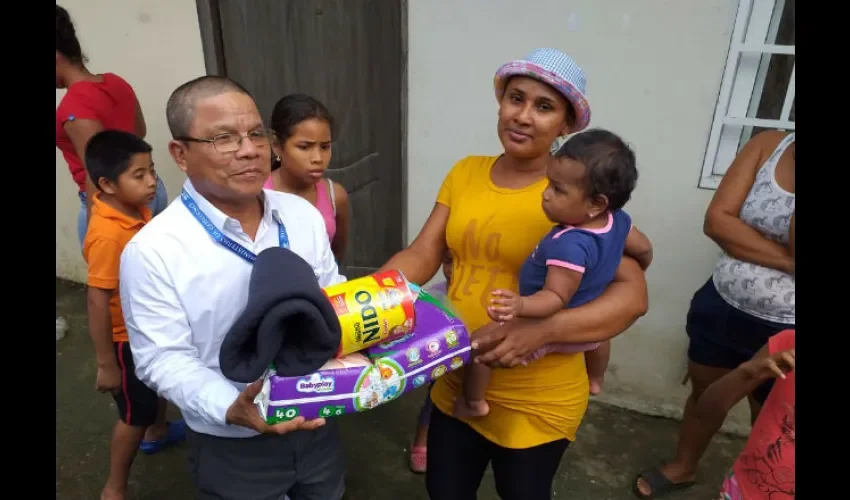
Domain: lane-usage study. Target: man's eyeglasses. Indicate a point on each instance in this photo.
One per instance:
(230, 143)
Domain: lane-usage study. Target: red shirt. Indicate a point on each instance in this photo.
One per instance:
(765, 468)
(112, 102)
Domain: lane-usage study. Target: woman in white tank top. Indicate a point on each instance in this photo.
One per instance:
(762, 286)
(750, 295)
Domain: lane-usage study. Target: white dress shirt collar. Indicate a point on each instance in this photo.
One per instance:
(221, 220)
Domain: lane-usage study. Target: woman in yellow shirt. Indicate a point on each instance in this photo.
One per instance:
(488, 215)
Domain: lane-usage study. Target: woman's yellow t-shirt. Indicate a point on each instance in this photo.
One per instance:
(490, 232)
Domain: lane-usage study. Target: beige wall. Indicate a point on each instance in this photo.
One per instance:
(654, 69)
(155, 45)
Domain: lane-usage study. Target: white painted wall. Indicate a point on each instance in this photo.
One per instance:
(654, 69)
(155, 45)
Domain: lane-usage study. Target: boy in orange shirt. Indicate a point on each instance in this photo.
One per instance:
(120, 165)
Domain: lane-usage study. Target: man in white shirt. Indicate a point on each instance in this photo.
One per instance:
(184, 281)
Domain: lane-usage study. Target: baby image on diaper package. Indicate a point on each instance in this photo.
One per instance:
(439, 343)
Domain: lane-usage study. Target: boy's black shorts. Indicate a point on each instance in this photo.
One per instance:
(137, 403)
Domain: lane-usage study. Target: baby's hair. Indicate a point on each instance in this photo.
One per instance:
(610, 166)
(66, 37)
(291, 110)
(109, 153)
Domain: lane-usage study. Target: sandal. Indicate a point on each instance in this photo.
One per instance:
(418, 459)
(175, 434)
(658, 483)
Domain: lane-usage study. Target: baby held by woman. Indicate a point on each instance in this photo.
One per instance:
(591, 177)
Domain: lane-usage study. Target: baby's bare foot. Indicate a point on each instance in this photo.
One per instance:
(469, 409)
(595, 386)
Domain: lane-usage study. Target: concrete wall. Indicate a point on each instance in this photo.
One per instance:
(654, 69)
(155, 45)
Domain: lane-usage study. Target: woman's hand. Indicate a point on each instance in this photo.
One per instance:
(506, 345)
(722, 221)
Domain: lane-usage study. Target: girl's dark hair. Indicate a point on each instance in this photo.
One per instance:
(66, 37)
(610, 165)
(291, 110)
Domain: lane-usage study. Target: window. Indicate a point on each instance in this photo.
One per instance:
(757, 89)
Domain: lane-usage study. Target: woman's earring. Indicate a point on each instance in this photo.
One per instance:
(277, 157)
(556, 144)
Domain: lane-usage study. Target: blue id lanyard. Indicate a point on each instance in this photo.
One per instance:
(218, 236)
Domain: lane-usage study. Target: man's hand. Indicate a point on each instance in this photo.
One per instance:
(108, 377)
(504, 306)
(244, 412)
(507, 345)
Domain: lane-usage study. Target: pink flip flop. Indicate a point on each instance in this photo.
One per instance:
(418, 459)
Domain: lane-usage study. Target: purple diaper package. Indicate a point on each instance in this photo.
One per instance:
(379, 374)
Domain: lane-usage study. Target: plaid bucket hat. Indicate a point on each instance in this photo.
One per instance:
(556, 69)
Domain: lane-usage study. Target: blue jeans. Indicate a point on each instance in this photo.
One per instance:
(157, 205)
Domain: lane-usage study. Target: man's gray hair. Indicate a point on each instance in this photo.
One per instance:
(180, 109)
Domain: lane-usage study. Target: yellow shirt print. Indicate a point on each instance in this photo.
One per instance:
(490, 232)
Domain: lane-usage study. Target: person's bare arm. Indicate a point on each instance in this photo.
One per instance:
(100, 325)
(340, 242)
(639, 247)
(80, 131)
(719, 398)
(722, 222)
(620, 305)
(141, 126)
(108, 378)
(420, 261)
(561, 283)
(102, 259)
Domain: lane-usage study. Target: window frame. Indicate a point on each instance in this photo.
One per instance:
(750, 48)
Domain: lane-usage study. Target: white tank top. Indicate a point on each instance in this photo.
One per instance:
(757, 290)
